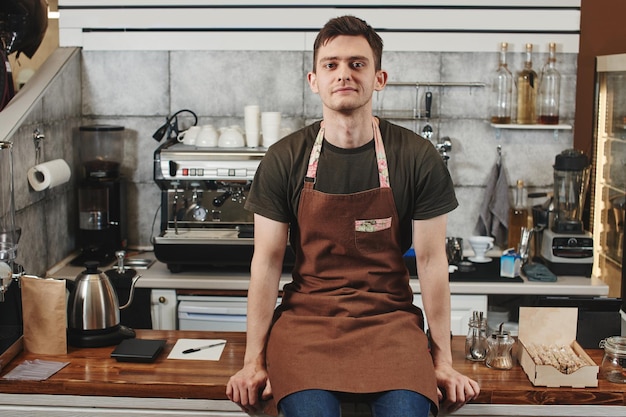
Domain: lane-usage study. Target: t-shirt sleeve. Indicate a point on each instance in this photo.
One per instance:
(434, 190)
(268, 194)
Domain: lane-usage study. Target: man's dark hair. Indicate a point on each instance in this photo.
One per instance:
(349, 26)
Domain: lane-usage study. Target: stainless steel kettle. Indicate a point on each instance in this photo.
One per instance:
(93, 302)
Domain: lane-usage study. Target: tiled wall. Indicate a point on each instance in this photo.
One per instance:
(139, 89)
(47, 218)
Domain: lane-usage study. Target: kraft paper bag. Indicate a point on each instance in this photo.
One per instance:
(44, 315)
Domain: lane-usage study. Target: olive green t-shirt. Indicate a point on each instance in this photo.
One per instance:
(420, 181)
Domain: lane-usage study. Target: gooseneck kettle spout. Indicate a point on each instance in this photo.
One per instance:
(132, 292)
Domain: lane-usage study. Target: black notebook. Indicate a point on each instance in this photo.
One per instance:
(138, 350)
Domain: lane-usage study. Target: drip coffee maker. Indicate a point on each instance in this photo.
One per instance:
(567, 248)
(102, 227)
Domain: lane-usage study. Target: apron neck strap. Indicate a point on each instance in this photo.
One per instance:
(381, 157)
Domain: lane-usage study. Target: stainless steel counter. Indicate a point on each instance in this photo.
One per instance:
(159, 277)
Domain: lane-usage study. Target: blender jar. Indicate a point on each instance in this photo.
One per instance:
(571, 176)
(101, 150)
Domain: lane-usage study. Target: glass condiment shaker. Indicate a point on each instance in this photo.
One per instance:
(476, 341)
(499, 351)
(614, 361)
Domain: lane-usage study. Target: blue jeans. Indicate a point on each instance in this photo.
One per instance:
(320, 403)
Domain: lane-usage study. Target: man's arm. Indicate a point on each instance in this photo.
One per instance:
(429, 238)
(270, 241)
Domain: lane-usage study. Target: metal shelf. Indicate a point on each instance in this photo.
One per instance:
(416, 112)
(418, 84)
(514, 126)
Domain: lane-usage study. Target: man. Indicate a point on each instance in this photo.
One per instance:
(354, 192)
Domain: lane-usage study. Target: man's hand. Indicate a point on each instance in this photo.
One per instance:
(458, 388)
(248, 387)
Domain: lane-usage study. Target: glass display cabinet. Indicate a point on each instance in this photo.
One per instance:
(609, 197)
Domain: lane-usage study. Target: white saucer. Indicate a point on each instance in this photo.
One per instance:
(480, 260)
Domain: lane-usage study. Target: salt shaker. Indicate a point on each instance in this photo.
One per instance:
(499, 351)
(476, 341)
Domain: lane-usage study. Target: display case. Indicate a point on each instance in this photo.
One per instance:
(609, 194)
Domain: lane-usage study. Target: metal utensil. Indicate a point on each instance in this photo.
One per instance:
(479, 348)
(427, 131)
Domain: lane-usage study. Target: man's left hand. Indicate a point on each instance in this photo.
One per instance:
(458, 388)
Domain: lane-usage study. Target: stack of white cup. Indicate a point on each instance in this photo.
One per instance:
(252, 116)
(270, 126)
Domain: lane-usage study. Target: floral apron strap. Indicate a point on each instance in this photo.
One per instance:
(381, 158)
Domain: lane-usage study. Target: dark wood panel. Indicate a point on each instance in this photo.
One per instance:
(602, 32)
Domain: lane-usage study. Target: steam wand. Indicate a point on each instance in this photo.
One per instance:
(444, 146)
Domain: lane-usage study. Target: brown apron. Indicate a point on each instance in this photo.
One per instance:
(347, 322)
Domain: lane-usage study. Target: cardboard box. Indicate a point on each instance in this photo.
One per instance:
(553, 326)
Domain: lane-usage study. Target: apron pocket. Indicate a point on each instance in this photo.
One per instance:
(372, 235)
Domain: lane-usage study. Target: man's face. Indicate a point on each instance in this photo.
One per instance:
(345, 76)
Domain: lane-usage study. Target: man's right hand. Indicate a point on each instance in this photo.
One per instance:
(248, 387)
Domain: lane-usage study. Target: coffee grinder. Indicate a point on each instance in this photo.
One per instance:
(102, 227)
(566, 247)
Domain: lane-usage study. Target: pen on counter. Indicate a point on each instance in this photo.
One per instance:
(198, 349)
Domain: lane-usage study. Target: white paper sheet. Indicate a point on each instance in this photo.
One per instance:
(209, 354)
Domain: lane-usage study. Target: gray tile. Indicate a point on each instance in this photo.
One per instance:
(143, 209)
(61, 222)
(63, 97)
(32, 250)
(125, 83)
(221, 83)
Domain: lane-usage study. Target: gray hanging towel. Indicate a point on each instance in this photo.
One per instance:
(493, 219)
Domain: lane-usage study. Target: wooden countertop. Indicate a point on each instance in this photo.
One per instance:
(92, 372)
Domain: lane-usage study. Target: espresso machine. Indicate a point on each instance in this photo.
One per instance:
(566, 248)
(204, 224)
(102, 226)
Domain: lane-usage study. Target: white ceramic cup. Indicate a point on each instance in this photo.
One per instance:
(230, 137)
(252, 117)
(207, 138)
(270, 127)
(189, 136)
(253, 138)
(480, 245)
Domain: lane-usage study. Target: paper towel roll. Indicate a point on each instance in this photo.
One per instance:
(49, 174)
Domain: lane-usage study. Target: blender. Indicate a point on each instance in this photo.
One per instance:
(566, 247)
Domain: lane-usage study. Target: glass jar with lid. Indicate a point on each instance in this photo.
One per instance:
(499, 350)
(613, 366)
